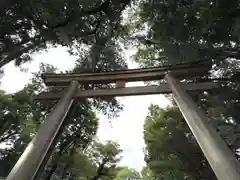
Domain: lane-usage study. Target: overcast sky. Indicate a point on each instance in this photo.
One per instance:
(127, 129)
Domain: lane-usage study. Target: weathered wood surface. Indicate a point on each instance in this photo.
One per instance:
(65, 79)
(129, 91)
(146, 74)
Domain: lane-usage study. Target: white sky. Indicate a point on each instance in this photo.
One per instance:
(127, 130)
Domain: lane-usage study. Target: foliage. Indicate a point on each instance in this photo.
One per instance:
(98, 160)
(105, 157)
(30, 26)
(171, 150)
(127, 174)
(147, 174)
(182, 31)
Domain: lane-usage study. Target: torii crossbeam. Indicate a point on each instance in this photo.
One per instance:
(221, 159)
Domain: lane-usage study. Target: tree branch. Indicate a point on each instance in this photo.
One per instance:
(2, 139)
(19, 51)
(102, 7)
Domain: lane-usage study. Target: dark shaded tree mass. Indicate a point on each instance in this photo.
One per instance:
(30, 26)
(183, 31)
(171, 149)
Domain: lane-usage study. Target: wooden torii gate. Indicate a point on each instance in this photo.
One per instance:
(221, 159)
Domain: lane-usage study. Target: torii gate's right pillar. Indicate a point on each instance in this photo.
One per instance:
(219, 156)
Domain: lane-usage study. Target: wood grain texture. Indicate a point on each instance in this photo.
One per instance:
(129, 91)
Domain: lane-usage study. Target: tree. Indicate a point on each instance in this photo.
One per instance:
(97, 161)
(105, 157)
(15, 127)
(76, 165)
(146, 173)
(127, 174)
(183, 31)
(30, 26)
(171, 149)
(13, 115)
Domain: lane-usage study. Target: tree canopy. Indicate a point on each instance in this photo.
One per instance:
(183, 31)
(127, 174)
(31, 26)
(171, 149)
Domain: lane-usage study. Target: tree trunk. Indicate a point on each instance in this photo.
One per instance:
(99, 171)
(3, 127)
(55, 160)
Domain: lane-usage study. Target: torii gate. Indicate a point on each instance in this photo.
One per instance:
(221, 159)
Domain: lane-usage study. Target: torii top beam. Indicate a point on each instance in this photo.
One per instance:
(146, 74)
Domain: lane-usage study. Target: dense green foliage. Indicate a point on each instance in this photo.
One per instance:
(29, 26)
(171, 150)
(125, 173)
(179, 31)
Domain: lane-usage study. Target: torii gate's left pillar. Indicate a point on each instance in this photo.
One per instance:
(34, 155)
